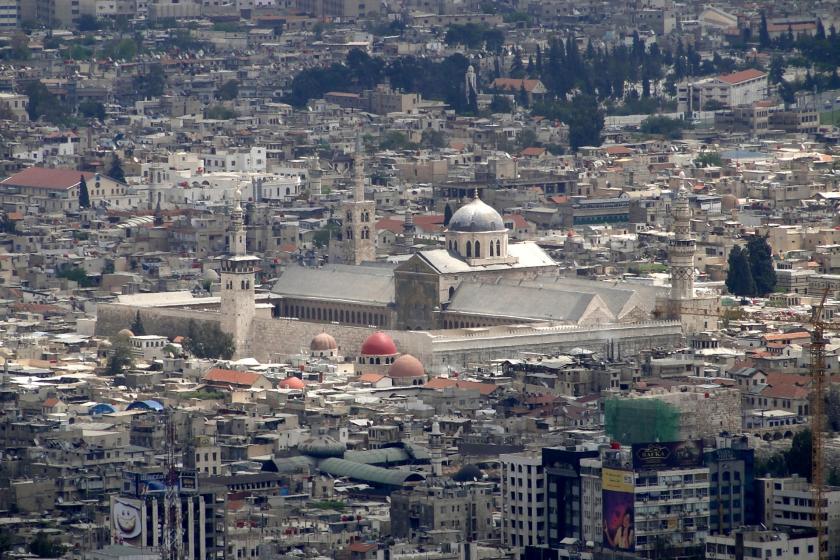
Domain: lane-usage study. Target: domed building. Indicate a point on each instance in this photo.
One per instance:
(407, 370)
(377, 353)
(477, 234)
(323, 345)
(292, 382)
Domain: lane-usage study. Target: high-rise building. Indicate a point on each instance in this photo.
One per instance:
(355, 242)
(238, 278)
(731, 488)
(523, 501)
(564, 492)
(655, 496)
(137, 514)
(9, 14)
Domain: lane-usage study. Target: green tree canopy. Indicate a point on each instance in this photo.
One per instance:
(120, 357)
(137, 325)
(739, 280)
(116, 171)
(761, 264)
(228, 90)
(209, 341)
(84, 194)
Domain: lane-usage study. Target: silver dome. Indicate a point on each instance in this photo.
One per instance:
(476, 217)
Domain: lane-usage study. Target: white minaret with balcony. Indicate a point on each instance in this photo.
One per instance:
(682, 247)
(238, 277)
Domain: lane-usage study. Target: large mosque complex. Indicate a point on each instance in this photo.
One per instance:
(479, 297)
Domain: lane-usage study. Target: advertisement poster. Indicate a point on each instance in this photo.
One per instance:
(127, 521)
(617, 497)
(668, 455)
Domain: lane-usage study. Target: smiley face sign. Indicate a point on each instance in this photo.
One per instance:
(127, 520)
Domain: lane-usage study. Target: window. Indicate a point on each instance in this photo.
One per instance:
(469, 249)
(498, 250)
(477, 249)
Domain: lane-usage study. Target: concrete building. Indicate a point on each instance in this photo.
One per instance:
(731, 486)
(57, 190)
(789, 504)
(757, 543)
(14, 103)
(438, 505)
(729, 90)
(523, 501)
(564, 492)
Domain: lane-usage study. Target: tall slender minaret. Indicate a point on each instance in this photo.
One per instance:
(315, 187)
(436, 449)
(408, 231)
(356, 243)
(682, 247)
(238, 272)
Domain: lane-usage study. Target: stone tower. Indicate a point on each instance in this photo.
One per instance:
(315, 187)
(436, 449)
(238, 278)
(355, 243)
(681, 248)
(470, 82)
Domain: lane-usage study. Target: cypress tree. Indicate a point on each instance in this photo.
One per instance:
(761, 264)
(137, 326)
(739, 279)
(763, 34)
(447, 214)
(84, 195)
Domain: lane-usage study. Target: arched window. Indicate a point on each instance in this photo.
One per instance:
(491, 248)
(377, 361)
(498, 248)
(365, 233)
(469, 249)
(288, 192)
(456, 245)
(451, 291)
(477, 249)
(243, 284)
(349, 233)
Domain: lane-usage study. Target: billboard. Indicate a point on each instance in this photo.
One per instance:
(617, 499)
(667, 455)
(126, 521)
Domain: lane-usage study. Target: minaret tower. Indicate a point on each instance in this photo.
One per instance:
(408, 231)
(682, 247)
(356, 242)
(436, 449)
(315, 188)
(238, 272)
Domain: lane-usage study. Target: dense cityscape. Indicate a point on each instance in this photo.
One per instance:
(419, 279)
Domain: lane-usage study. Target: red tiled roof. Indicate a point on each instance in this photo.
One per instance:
(618, 150)
(772, 337)
(362, 547)
(742, 76)
(444, 383)
(533, 151)
(370, 378)
(391, 224)
(232, 377)
(515, 84)
(50, 402)
(518, 220)
(785, 391)
(51, 179)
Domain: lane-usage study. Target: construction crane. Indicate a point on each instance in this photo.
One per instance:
(171, 543)
(818, 344)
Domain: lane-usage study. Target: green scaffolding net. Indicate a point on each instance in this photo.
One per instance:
(641, 420)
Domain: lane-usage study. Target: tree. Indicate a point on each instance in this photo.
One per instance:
(472, 101)
(84, 195)
(763, 34)
(500, 104)
(527, 138)
(219, 113)
(208, 342)
(92, 110)
(120, 357)
(87, 22)
(152, 83)
(433, 139)
(761, 264)
(663, 126)
(116, 172)
(447, 214)
(20, 47)
(42, 547)
(228, 91)
(713, 105)
(137, 325)
(739, 280)
(522, 96)
(777, 70)
(43, 103)
(395, 140)
(798, 458)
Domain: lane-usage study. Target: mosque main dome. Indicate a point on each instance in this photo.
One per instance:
(476, 216)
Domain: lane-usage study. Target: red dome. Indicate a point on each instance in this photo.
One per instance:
(406, 366)
(379, 344)
(292, 382)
